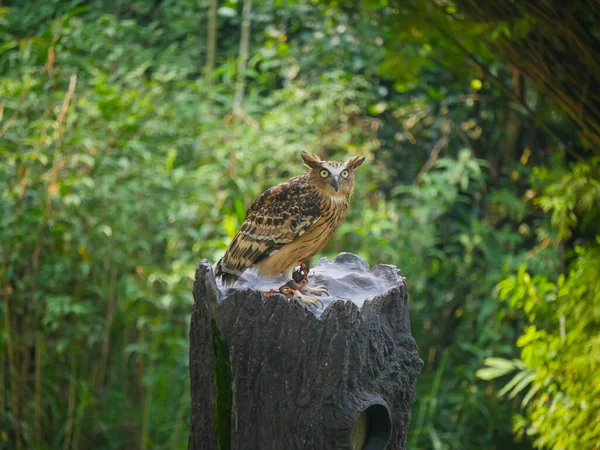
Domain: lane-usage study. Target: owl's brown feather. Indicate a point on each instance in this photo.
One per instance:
(287, 224)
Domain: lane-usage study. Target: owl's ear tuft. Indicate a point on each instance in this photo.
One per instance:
(354, 162)
(310, 160)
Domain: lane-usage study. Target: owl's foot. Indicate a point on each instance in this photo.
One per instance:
(285, 290)
(309, 300)
(291, 288)
(317, 290)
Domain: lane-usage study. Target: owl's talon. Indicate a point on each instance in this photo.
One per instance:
(311, 301)
(298, 287)
(287, 290)
(317, 290)
(295, 293)
(323, 290)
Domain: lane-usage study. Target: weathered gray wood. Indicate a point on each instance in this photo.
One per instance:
(299, 381)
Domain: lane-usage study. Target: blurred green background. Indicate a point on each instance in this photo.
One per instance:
(133, 135)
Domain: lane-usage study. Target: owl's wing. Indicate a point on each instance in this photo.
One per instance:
(280, 215)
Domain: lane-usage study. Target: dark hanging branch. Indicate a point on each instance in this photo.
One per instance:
(557, 50)
(211, 39)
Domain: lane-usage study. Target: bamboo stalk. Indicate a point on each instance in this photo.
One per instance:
(22, 380)
(9, 122)
(145, 402)
(77, 427)
(71, 402)
(12, 368)
(211, 46)
(185, 400)
(240, 81)
(104, 280)
(37, 414)
(110, 314)
(2, 388)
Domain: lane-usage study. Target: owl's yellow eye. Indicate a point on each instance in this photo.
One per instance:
(345, 173)
(323, 173)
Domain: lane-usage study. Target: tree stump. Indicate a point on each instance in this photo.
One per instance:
(270, 373)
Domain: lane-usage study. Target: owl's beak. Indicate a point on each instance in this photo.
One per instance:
(335, 182)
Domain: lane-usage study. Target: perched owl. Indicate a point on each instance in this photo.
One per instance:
(291, 222)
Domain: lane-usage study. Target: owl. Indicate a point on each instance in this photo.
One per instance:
(289, 223)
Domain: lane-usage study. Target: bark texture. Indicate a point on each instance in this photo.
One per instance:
(269, 373)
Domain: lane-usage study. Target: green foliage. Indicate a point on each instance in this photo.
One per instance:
(560, 354)
(119, 169)
(573, 198)
(560, 346)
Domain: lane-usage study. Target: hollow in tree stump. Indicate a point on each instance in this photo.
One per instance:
(270, 373)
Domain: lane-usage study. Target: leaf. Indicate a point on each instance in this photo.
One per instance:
(513, 382)
(527, 398)
(491, 373)
(498, 367)
(226, 11)
(435, 439)
(503, 363)
(522, 384)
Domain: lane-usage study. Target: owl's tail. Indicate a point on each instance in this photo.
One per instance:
(228, 278)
